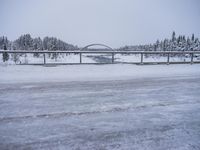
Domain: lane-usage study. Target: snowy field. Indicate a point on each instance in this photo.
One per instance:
(100, 107)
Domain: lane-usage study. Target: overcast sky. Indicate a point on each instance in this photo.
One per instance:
(112, 22)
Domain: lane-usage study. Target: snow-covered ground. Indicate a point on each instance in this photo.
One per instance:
(18, 73)
(30, 59)
(85, 107)
(96, 58)
(154, 58)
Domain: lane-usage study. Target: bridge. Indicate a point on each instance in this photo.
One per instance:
(111, 52)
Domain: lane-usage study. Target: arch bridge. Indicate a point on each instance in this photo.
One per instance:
(102, 45)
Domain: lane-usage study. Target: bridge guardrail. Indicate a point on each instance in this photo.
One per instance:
(112, 53)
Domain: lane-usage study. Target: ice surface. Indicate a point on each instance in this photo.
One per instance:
(85, 107)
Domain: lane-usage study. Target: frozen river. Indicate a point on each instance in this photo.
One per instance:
(144, 113)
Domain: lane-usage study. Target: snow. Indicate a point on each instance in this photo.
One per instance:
(154, 58)
(100, 107)
(29, 58)
(97, 58)
(16, 73)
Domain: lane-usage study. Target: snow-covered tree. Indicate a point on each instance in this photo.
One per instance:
(176, 43)
(5, 55)
(24, 42)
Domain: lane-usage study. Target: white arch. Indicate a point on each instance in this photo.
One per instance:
(108, 47)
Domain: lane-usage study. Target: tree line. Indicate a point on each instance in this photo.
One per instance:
(26, 42)
(175, 43)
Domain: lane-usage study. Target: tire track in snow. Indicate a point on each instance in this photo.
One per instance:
(68, 114)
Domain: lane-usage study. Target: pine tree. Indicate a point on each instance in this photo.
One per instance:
(165, 44)
(37, 45)
(193, 37)
(173, 36)
(5, 55)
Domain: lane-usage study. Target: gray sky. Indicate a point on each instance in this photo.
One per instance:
(112, 22)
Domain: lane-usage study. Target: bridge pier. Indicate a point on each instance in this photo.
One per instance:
(141, 62)
(44, 56)
(113, 59)
(192, 58)
(168, 56)
(80, 58)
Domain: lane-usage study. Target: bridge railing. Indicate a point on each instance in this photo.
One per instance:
(168, 55)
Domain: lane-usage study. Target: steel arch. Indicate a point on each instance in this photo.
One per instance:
(108, 47)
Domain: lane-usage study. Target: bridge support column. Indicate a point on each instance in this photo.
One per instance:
(141, 62)
(192, 58)
(44, 56)
(80, 58)
(113, 59)
(168, 56)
